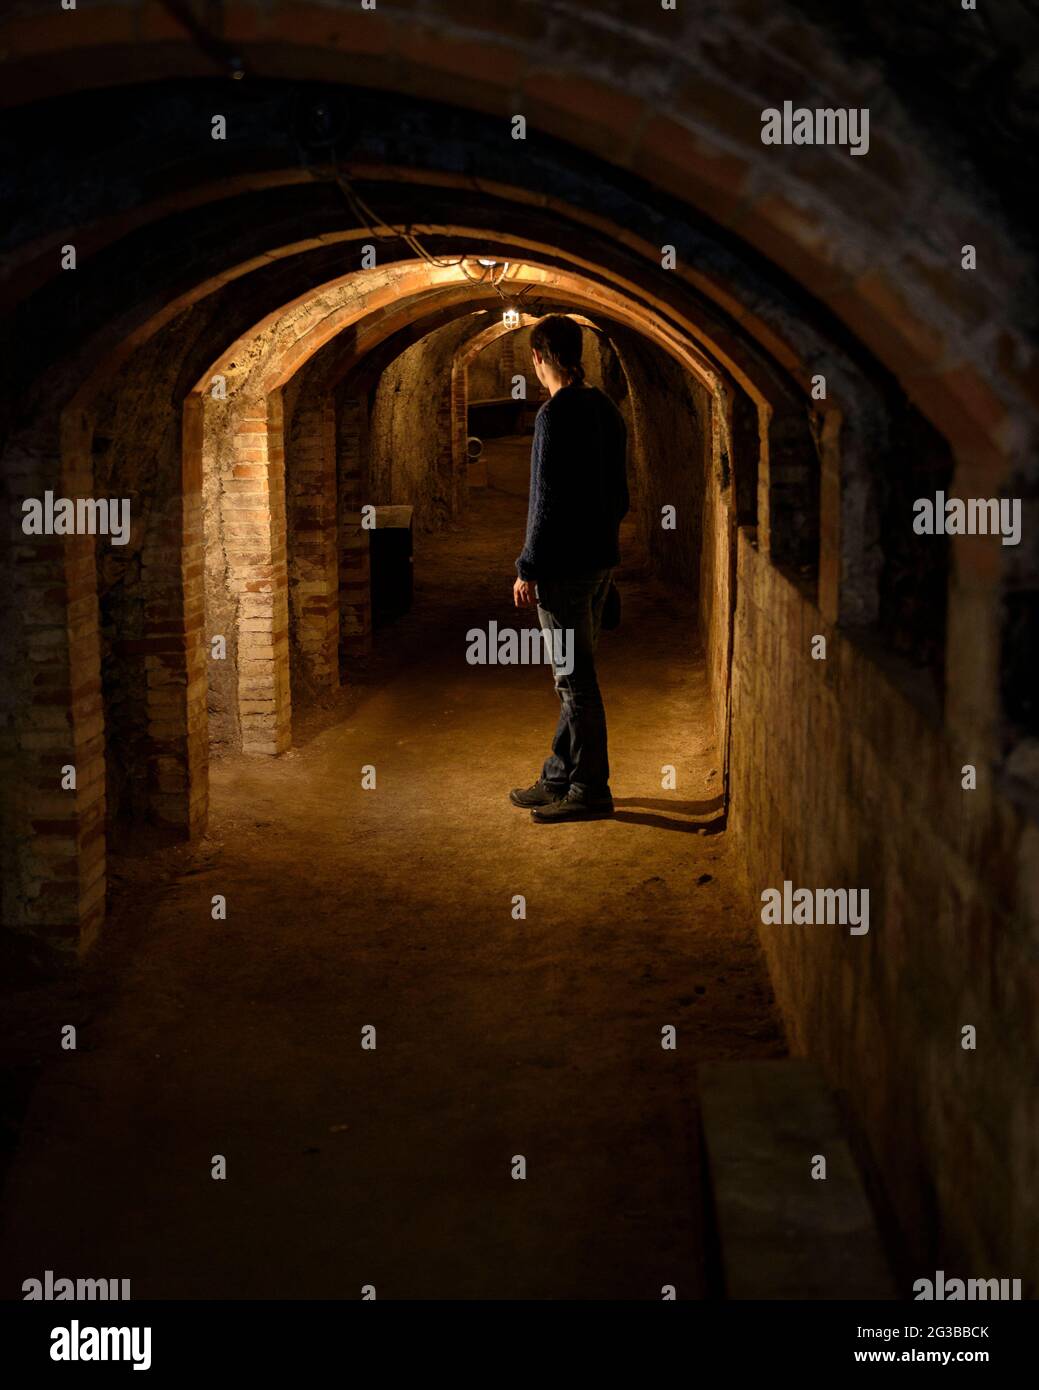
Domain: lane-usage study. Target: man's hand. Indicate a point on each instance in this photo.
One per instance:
(523, 594)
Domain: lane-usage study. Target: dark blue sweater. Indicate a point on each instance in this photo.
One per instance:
(578, 486)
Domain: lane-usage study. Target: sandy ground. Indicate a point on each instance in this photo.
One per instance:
(496, 1037)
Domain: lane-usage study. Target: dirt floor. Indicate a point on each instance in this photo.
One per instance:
(496, 1037)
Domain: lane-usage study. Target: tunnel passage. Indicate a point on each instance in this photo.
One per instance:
(346, 385)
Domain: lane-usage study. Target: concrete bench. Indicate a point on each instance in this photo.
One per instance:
(782, 1233)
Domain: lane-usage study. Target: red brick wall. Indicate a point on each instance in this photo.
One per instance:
(355, 602)
(253, 522)
(841, 778)
(313, 550)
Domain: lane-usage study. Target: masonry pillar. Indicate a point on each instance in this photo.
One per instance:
(55, 853)
(174, 649)
(448, 497)
(458, 434)
(313, 549)
(972, 654)
(831, 517)
(355, 598)
(763, 538)
(254, 544)
(508, 362)
(789, 497)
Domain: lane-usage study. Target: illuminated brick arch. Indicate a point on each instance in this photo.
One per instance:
(695, 143)
(696, 137)
(307, 324)
(643, 130)
(378, 303)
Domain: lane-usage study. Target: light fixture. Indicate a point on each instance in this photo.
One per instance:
(511, 318)
(481, 261)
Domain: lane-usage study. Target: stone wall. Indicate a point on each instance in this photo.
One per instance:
(411, 431)
(840, 778)
(492, 370)
(150, 601)
(354, 489)
(313, 550)
(717, 546)
(669, 446)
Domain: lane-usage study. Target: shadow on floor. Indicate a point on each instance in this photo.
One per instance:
(680, 813)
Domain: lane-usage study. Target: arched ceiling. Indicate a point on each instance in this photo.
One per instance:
(668, 103)
(391, 299)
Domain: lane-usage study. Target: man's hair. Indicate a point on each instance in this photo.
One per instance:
(558, 340)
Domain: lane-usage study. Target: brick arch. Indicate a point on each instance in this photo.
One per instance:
(347, 372)
(717, 383)
(719, 315)
(676, 337)
(710, 327)
(312, 320)
(490, 334)
(327, 589)
(187, 595)
(746, 358)
(738, 360)
(875, 242)
(725, 311)
(328, 437)
(184, 625)
(696, 136)
(700, 153)
(377, 303)
(907, 315)
(460, 386)
(329, 476)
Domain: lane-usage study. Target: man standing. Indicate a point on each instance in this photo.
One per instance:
(578, 495)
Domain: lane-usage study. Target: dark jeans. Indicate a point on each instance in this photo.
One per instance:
(578, 758)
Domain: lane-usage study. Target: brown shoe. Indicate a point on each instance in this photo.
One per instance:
(542, 793)
(575, 806)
